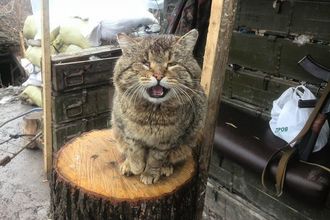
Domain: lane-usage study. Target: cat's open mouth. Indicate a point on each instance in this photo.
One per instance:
(157, 91)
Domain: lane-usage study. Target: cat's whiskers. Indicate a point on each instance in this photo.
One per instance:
(186, 96)
(138, 93)
(177, 96)
(125, 94)
(133, 94)
(196, 92)
(130, 92)
(175, 86)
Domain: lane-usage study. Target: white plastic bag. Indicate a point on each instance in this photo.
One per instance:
(287, 119)
(33, 80)
(125, 17)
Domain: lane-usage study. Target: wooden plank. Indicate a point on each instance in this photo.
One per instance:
(22, 43)
(215, 60)
(47, 86)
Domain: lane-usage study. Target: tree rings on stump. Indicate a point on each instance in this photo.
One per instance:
(86, 184)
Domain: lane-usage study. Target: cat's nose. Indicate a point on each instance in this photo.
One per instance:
(158, 75)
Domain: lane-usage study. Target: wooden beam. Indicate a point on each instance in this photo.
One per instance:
(22, 44)
(214, 66)
(46, 77)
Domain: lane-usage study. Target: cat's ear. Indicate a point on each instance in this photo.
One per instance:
(125, 42)
(189, 40)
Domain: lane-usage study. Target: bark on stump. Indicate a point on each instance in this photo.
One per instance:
(86, 184)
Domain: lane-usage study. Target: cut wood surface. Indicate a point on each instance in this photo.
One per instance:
(88, 167)
(31, 126)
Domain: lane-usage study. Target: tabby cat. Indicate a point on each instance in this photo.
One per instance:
(159, 105)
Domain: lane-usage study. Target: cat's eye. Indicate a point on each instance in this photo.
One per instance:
(146, 63)
(171, 64)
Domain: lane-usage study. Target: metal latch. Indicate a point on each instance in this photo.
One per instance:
(75, 78)
(76, 109)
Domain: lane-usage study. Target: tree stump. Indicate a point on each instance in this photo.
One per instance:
(86, 184)
(32, 124)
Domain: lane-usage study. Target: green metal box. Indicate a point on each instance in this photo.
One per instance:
(81, 103)
(65, 132)
(82, 74)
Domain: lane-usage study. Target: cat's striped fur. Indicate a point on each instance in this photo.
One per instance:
(159, 105)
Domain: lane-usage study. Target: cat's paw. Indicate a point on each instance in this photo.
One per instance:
(149, 177)
(125, 169)
(166, 170)
(137, 167)
(179, 154)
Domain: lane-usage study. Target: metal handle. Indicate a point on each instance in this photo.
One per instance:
(74, 79)
(74, 110)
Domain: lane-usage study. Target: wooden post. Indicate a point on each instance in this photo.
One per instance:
(214, 67)
(22, 44)
(86, 184)
(46, 77)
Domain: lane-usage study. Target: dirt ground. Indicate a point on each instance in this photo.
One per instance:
(24, 191)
